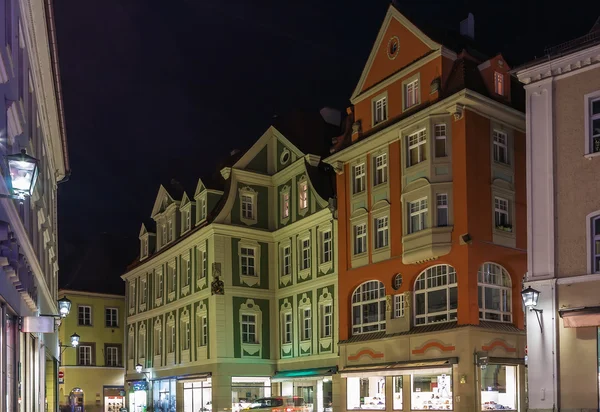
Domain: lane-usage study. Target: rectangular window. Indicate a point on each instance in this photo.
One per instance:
(595, 125)
(159, 283)
(360, 239)
(432, 391)
(380, 110)
(381, 169)
(185, 345)
(203, 208)
(201, 263)
(596, 244)
(169, 230)
(170, 338)
(499, 387)
(303, 196)
(112, 356)
(204, 331)
(145, 247)
(164, 234)
(440, 140)
(85, 315)
(84, 357)
(417, 215)
(172, 277)
(249, 329)
(416, 147)
(411, 94)
(327, 322)
(285, 205)
(188, 220)
(365, 393)
(501, 213)
(500, 147)
(143, 291)
(359, 178)
(499, 83)
(186, 272)
(442, 209)
(286, 260)
(306, 324)
(112, 317)
(130, 346)
(248, 261)
(287, 328)
(157, 342)
(326, 247)
(305, 254)
(131, 296)
(382, 232)
(399, 306)
(397, 382)
(247, 207)
(142, 345)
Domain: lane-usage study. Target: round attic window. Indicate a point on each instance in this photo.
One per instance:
(285, 156)
(393, 47)
(397, 281)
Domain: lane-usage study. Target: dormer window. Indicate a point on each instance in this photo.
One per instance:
(203, 208)
(248, 200)
(499, 83)
(169, 230)
(411, 93)
(303, 195)
(186, 219)
(144, 248)
(164, 234)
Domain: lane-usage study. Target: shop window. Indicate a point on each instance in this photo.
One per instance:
(431, 391)
(494, 291)
(436, 295)
(368, 307)
(246, 390)
(197, 396)
(499, 387)
(397, 400)
(164, 398)
(366, 393)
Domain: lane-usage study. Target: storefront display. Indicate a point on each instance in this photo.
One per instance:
(138, 396)
(366, 393)
(164, 395)
(197, 396)
(314, 386)
(114, 400)
(498, 387)
(432, 391)
(245, 390)
(397, 382)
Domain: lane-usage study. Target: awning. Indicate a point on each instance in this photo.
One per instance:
(580, 317)
(303, 374)
(193, 377)
(506, 361)
(397, 368)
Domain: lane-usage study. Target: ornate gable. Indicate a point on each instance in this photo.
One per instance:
(398, 43)
(163, 200)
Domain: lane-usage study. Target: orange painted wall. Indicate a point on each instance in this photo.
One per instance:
(410, 49)
(497, 64)
(473, 208)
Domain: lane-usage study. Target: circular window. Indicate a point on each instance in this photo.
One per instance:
(285, 156)
(397, 281)
(393, 47)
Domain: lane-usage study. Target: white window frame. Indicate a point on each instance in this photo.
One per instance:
(287, 329)
(248, 205)
(500, 210)
(203, 207)
(201, 326)
(360, 238)
(132, 297)
(495, 277)
(399, 306)
(359, 176)
(433, 279)
(201, 264)
(171, 280)
(303, 196)
(286, 259)
(250, 308)
(248, 320)
(380, 166)
(113, 314)
(441, 200)
(380, 109)
(86, 351)
(87, 318)
(248, 261)
(499, 85)
(306, 324)
(381, 225)
(131, 344)
(112, 356)
(305, 253)
(500, 143)
(186, 274)
(593, 253)
(143, 291)
(412, 88)
(186, 331)
(142, 343)
(145, 248)
(159, 290)
(285, 204)
(589, 118)
(248, 279)
(157, 341)
(441, 134)
(171, 336)
(369, 292)
(416, 141)
(420, 208)
(170, 230)
(327, 320)
(187, 219)
(326, 245)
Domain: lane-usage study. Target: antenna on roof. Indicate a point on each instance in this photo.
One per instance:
(467, 27)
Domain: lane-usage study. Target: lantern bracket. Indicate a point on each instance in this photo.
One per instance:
(538, 315)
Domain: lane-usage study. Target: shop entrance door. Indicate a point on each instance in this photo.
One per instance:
(306, 391)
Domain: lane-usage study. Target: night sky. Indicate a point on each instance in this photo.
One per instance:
(161, 89)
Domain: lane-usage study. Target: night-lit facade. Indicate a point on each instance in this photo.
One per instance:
(234, 294)
(31, 118)
(432, 227)
(563, 144)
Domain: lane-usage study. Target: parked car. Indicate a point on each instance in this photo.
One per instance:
(279, 404)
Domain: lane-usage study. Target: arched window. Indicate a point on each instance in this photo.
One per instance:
(436, 295)
(368, 307)
(494, 293)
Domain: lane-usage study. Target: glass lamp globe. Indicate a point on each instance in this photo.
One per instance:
(64, 307)
(74, 340)
(530, 297)
(23, 171)
(138, 368)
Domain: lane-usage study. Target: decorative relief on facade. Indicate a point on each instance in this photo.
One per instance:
(499, 343)
(433, 344)
(217, 287)
(366, 352)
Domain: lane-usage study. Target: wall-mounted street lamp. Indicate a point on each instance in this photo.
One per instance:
(23, 171)
(530, 299)
(140, 369)
(46, 323)
(74, 343)
(64, 307)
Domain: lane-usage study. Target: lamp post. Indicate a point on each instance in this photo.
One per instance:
(530, 299)
(23, 170)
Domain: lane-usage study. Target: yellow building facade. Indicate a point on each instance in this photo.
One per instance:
(91, 375)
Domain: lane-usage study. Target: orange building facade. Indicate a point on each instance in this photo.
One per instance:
(432, 226)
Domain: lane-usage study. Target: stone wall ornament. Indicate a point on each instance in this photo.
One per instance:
(217, 286)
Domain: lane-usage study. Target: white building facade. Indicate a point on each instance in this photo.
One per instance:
(563, 202)
(32, 120)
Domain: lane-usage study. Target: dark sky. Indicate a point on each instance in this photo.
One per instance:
(160, 89)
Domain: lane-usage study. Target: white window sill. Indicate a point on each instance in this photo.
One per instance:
(171, 296)
(201, 282)
(304, 273)
(590, 156)
(142, 307)
(158, 301)
(326, 343)
(285, 280)
(253, 350)
(248, 221)
(303, 211)
(325, 266)
(358, 194)
(185, 290)
(250, 280)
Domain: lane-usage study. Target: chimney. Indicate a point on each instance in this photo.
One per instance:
(467, 27)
